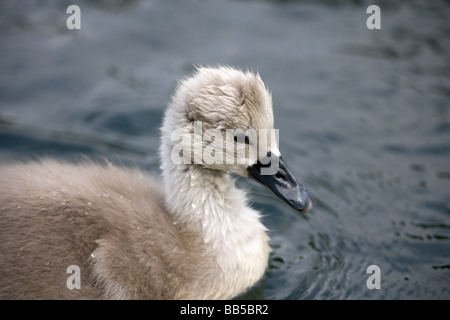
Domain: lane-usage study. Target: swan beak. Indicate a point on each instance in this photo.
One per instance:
(282, 183)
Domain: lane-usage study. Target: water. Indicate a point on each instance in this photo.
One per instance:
(363, 116)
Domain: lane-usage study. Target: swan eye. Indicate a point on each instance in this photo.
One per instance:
(241, 138)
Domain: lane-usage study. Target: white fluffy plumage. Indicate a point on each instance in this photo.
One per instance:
(193, 237)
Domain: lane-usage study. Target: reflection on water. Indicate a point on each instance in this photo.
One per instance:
(363, 116)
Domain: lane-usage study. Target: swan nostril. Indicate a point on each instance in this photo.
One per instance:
(281, 174)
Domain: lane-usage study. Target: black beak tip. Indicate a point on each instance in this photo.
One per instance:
(303, 205)
(284, 185)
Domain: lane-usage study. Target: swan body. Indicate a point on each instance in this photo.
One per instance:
(192, 237)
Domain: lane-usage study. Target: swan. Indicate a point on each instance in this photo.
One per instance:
(122, 235)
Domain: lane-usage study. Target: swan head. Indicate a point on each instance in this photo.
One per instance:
(221, 119)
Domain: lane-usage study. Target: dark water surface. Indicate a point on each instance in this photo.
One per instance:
(364, 119)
